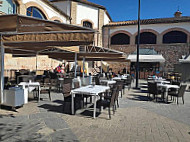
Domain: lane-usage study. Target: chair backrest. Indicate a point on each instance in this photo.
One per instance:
(175, 83)
(120, 84)
(97, 81)
(113, 97)
(117, 92)
(76, 85)
(53, 82)
(152, 88)
(181, 91)
(46, 80)
(128, 80)
(66, 89)
(85, 81)
(68, 80)
(103, 78)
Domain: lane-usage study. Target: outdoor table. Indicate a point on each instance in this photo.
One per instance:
(108, 82)
(25, 77)
(93, 90)
(167, 87)
(31, 84)
(162, 81)
(119, 78)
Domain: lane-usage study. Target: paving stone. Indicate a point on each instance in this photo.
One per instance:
(55, 123)
(136, 120)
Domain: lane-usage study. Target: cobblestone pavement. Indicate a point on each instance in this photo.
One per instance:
(135, 120)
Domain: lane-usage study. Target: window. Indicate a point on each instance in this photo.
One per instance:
(120, 39)
(147, 38)
(175, 37)
(87, 24)
(35, 12)
(15, 6)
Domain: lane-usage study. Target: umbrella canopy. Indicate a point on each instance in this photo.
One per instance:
(90, 53)
(32, 34)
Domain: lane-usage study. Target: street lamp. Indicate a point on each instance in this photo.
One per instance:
(138, 43)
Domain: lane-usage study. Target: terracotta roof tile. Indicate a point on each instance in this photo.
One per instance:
(151, 21)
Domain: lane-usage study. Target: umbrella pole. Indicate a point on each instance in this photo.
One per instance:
(2, 70)
(83, 67)
(75, 65)
(36, 62)
(101, 67)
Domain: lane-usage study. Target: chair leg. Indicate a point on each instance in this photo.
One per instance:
(113, 109)
(49, 96)
(117, 103)
(109, 112)
(183, 100)
(177, 100)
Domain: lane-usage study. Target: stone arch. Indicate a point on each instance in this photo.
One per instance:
(121, 32)
(34, 4)
(88, 20)
(120, 40)
(56, 18)
(176, 29)
(147, 31)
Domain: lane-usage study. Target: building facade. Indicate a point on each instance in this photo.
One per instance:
(169, 37)
(76, 12)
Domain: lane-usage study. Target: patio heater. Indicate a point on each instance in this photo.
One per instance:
(138, 43)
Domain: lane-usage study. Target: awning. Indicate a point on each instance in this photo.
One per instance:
(90, 53)
(185, 60)
(27, 33)
(147, 58)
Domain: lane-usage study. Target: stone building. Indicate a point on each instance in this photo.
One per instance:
(169, 37)
(77, 12)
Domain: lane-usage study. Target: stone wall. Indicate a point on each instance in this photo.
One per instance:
(171, 52)
(43, 63)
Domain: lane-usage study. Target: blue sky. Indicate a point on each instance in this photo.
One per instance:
(123, 10)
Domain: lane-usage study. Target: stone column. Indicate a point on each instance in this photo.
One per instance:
(74, 12)
(100, 25)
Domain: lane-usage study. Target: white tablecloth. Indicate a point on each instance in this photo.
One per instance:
(167, 87)
(31, 86)
(89, 90)
(108, 82)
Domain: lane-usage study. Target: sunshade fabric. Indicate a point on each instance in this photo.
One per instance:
(20, 24)
(147, 58)
(90, 57)
(47, 39)
(27, 32)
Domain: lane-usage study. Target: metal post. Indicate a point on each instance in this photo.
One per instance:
(2, 70)
(83, 67)
(36, 62)
(101, 67)
(138, 43)
(75, 65)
